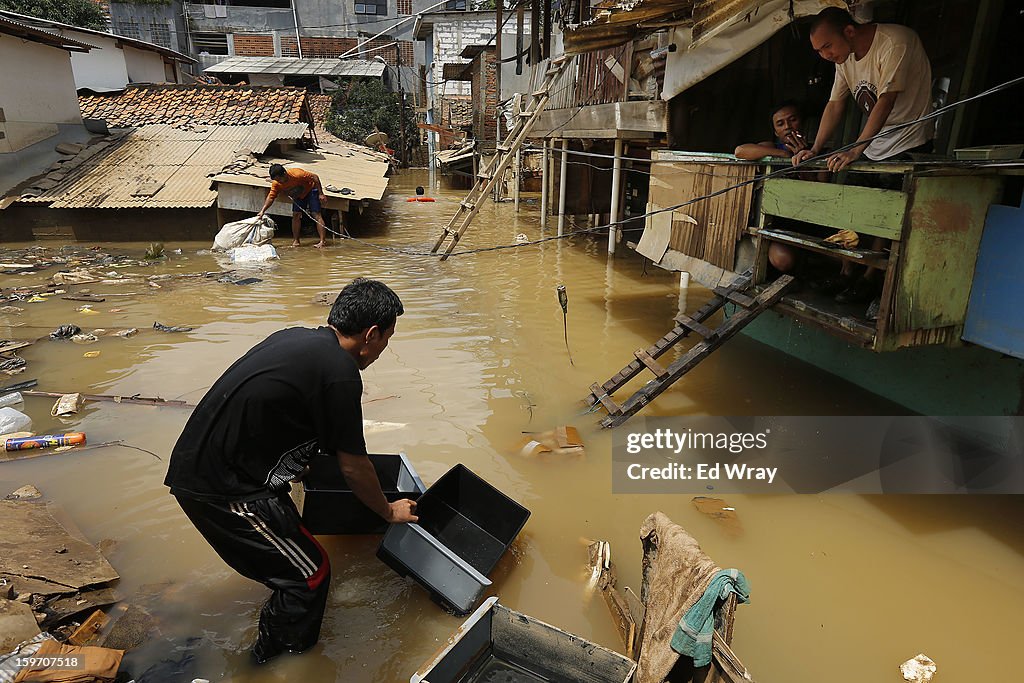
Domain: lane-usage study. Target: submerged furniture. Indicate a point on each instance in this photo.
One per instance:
(465, 526)
(497, 643)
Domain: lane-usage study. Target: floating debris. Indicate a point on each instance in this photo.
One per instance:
(168, 328)
(85, 338)
(65, 331)
(26, 492)
(91, 354)
(720, 511)
(66, 405)
(130, 332)
(155, 251)
(11, 310)
(920, 669)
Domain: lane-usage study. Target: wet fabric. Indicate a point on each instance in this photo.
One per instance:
(291, 396)
(296, 185)
(265, 541)
(309, 204)
(676, 574)
(696, 629)
(99, 665)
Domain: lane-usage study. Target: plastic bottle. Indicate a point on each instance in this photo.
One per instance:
(45, 441)
(12, 420)
(11, 399)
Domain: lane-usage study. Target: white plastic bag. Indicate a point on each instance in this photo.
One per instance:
(12, 420)
(248, 231)
(248, 253)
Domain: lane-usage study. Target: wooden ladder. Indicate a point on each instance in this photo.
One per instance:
(506, 152)
(748, 308)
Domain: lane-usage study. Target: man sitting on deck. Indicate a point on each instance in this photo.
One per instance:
(889, 77)
(307, 196)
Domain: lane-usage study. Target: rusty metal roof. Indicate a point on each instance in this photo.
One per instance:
(186, 105)
(299, 66)
(156, 167)
(340, 164)
(456, 71)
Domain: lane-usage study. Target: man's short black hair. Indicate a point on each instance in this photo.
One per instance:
(835, 17)
(776, 108)
(362, 304)
(276, 170)
(419, 189)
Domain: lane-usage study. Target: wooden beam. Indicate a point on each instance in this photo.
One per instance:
(865, 210)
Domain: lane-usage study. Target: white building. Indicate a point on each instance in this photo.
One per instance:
(116, 61)
(37, 109)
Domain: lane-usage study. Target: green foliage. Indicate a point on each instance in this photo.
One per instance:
(355, 111)
(84, 13)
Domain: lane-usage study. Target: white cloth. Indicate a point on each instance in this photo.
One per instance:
(895, 63)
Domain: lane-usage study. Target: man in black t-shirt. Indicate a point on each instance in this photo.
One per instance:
(292, 397)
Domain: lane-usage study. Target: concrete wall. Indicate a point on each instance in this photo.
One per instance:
(37, 221)
(449, 39)
(144, 66)
(169, 15)
(102, 69)
(33, 106)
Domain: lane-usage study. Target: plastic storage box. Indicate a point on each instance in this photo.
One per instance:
(465, 526)
(499, 644)
(330, 507)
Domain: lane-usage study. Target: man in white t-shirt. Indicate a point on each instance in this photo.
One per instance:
(885, 69)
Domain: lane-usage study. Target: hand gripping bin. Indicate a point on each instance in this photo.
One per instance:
(330, 507)
(497, 643)
(465, 526)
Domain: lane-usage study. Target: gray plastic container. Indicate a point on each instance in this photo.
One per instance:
(465, 526)
(330, 507)
(497, 643)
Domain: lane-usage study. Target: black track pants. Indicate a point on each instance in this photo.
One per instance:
(265, 541)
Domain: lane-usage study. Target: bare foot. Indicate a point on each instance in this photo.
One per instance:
(319, 245)
(295, 243)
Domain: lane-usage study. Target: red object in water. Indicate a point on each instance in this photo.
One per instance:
(420, 199)
(45, 441)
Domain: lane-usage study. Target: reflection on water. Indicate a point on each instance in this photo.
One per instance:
(851, 586)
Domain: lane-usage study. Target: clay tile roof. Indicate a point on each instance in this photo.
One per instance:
(199, 104)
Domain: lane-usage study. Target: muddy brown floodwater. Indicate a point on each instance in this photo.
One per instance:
(844, 588)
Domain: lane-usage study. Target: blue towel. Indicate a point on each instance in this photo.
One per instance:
(693, 635)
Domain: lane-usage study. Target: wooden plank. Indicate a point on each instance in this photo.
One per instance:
(726, 663)
(735, 297)
(866, 210)
(699, 352)
(867, 257)
(652, 365)
(14, 346)
(597, 393)
(89, 628)
(689, 323)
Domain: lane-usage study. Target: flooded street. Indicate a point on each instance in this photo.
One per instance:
(843, 588)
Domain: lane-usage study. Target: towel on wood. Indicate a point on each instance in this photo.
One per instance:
(676, 574)
(697, 627)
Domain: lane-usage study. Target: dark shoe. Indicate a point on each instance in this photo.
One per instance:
(263, 651)
(860, 292)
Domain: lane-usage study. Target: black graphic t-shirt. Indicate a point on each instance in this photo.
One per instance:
(292, 395)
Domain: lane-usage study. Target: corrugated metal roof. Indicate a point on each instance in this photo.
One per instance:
(306, 66)
(343, 166)
(10, 27)
(159, 167)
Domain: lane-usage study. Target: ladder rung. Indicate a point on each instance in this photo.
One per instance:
(735, 297)
(600, 396)
(702, 330)
(540, 93)
(467, 205)
(652, 365)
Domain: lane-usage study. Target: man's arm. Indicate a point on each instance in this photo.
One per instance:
(320, 190)
(830, 119)
(753, 151)
(362, 478)
(879, 115)
(271, 196)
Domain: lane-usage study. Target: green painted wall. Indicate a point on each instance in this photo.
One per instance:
(931, 380)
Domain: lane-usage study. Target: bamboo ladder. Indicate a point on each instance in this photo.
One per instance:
(495, 168)
(748, 308)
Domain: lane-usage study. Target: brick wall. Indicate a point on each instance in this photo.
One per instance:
(485, 95)
(450, 39)
(254, 46)
(456, 111)
(335, 47)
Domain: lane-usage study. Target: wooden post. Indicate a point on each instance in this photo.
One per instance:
(614, 231)
(561, 187)
(545, 178)
(517, 170)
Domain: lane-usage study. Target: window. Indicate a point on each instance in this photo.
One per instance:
(455, 5)
(210, 43)
(379, 7)
(128, 28)
(160, 34)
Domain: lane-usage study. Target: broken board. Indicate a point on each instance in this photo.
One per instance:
(31, 546)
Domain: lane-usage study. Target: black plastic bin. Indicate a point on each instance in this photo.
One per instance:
(330, 507)
(465, 526)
